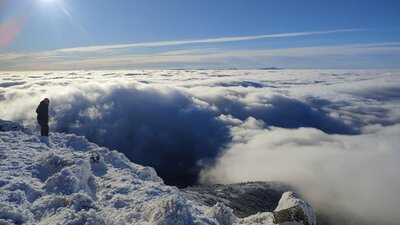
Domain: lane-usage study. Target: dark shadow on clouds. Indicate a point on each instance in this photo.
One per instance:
(285, 112)
(164, 130)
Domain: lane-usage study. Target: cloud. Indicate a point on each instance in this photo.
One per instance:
(156, 126)
(278, 110)
(200, 41)
(163, 129)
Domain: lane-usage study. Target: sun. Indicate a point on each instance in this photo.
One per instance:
(49, 1)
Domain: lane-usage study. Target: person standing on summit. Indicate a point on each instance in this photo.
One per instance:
(43, 116)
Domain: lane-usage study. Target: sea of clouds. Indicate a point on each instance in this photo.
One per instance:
(332, 134)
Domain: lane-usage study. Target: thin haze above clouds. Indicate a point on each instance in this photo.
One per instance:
(333, 134)
(198, 41)
(209, 53)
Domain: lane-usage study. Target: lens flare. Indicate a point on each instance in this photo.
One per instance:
(12, 20)
(10, 29)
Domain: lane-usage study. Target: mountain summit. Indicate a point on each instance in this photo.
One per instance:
(65, 179)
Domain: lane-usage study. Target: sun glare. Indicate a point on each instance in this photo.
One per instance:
(49, 1)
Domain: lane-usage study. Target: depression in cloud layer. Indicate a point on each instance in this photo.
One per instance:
(330, 133)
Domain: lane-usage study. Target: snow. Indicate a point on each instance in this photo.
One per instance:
(290, 199)
(64, 179)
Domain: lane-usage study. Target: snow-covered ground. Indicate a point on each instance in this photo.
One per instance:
(65, 179)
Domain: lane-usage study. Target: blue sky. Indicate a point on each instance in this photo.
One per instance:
(129, 34)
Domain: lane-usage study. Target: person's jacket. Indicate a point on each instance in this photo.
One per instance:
(43, 111)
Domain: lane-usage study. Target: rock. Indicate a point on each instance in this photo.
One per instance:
(244, 198)
(256, 202)
(292, 209)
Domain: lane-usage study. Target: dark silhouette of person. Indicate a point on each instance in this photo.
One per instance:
(43, 116)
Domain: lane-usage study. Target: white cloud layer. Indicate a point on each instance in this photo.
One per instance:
(331, 133)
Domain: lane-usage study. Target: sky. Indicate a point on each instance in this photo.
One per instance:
(131, 34)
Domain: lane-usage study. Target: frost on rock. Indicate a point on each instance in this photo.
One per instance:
(65, 179)
(244, 199)
(293, 209)
(290, 210)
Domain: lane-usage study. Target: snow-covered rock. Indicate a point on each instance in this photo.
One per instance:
(244, 198)
(65, 179)
(292, 208)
